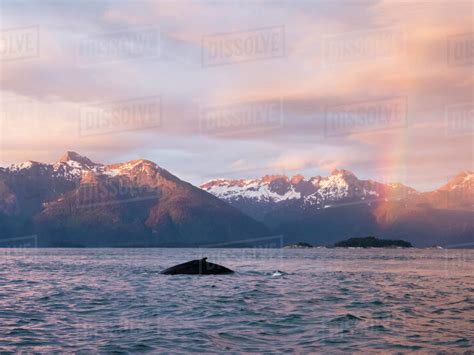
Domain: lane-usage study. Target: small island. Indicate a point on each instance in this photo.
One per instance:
(372, 242)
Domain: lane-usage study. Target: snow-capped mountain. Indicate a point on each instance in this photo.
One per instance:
(321, 210)
(76, 201)
(341, 186)
(137, 203)
(72, 167)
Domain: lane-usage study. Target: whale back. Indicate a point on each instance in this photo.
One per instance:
(197, 267)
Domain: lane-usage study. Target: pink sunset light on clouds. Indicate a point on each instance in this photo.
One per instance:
(382, 88)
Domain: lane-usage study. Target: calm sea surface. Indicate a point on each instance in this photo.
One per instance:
(329, 300)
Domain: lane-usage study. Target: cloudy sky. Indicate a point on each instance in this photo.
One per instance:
(242, 89)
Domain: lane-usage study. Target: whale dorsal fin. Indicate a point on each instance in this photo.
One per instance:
(204, 259)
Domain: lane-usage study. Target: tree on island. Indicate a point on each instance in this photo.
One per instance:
(372, 242)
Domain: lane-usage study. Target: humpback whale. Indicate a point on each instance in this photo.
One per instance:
(197, 267)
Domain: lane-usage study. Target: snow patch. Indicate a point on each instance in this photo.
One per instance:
(248, 189)
(21, 166)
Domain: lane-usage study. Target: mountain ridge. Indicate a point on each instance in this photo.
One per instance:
(341, 185)
(78, 202)
(320, 209)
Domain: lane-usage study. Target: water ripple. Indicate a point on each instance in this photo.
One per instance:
(115, 300)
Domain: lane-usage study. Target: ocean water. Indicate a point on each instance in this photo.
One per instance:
(328, 300)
